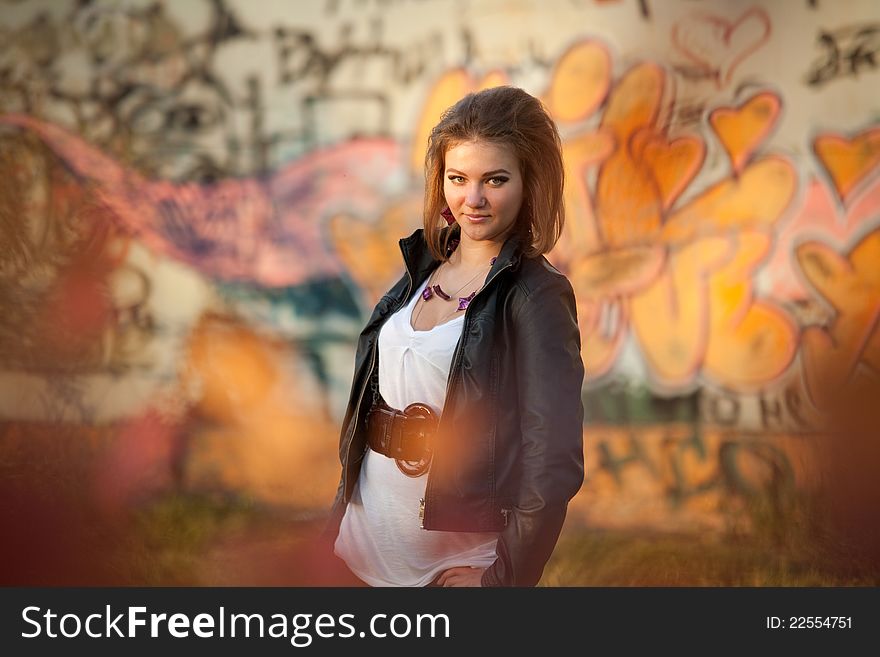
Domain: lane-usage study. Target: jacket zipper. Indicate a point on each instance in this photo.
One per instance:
(355, 423)
(456, 357)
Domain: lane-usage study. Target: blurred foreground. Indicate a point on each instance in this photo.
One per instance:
(200, 541)
(75, 511)
(54, 533)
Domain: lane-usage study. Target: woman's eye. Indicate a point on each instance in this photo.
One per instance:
(456, 179)
(497, 182)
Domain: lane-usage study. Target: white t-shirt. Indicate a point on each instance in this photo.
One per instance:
(380, 538)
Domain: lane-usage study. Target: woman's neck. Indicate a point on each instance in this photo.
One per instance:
(471, 255)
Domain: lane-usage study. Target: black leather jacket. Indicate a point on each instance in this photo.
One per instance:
(508, 454)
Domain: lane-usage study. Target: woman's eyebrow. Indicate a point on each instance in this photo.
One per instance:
(485, 175)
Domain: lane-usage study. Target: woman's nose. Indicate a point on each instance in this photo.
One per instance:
(474, 197)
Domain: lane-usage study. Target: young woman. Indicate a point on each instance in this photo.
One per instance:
(462, 443)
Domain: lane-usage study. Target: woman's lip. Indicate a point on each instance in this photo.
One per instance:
(476, 216)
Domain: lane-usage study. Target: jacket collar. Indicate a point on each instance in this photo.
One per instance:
(419, 261)
(416, 256)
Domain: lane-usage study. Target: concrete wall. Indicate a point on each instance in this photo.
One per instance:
(200, 201)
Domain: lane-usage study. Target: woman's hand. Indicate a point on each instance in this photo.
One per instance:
(461, 576)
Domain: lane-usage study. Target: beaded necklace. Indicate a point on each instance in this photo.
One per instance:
(432, 291)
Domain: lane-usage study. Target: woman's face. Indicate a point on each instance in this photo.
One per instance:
(484, 189)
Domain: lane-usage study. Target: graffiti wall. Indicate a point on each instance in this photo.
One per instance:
(201, 200)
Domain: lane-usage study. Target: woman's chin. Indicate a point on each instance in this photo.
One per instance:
(482, 233)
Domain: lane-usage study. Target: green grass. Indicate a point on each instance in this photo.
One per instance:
(222, 540)
(783, 541)
(183, 540)
(600, 558)
(169, 538)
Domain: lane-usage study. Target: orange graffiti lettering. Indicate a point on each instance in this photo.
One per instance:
(832, 355)
(753, 201)
(681, 277)
(750, 341)
(629, 208)
(449, 89)
(849, 161)
(370, 250)
(673, 163)
(580, 82)
(743, 129)
(671, 316)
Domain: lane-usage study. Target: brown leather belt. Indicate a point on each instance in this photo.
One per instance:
(403, 435)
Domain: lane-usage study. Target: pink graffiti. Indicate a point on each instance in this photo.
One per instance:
(718, 46)
(268, 231)
(819, 217)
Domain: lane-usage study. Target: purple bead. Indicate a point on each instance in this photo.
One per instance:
(427, 293)
(441, 293)
(464, 302)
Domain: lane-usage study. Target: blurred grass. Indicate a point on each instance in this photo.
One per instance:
(211, 540)
(221, 540)
(55, 535)
(196, 540)
(787, 541)
(169, 537)
(596, 558)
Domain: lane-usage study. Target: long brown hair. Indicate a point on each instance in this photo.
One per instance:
(505, 115)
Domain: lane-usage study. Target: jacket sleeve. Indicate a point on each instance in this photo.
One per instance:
(550, 375)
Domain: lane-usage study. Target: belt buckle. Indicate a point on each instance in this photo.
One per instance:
(418, 410)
